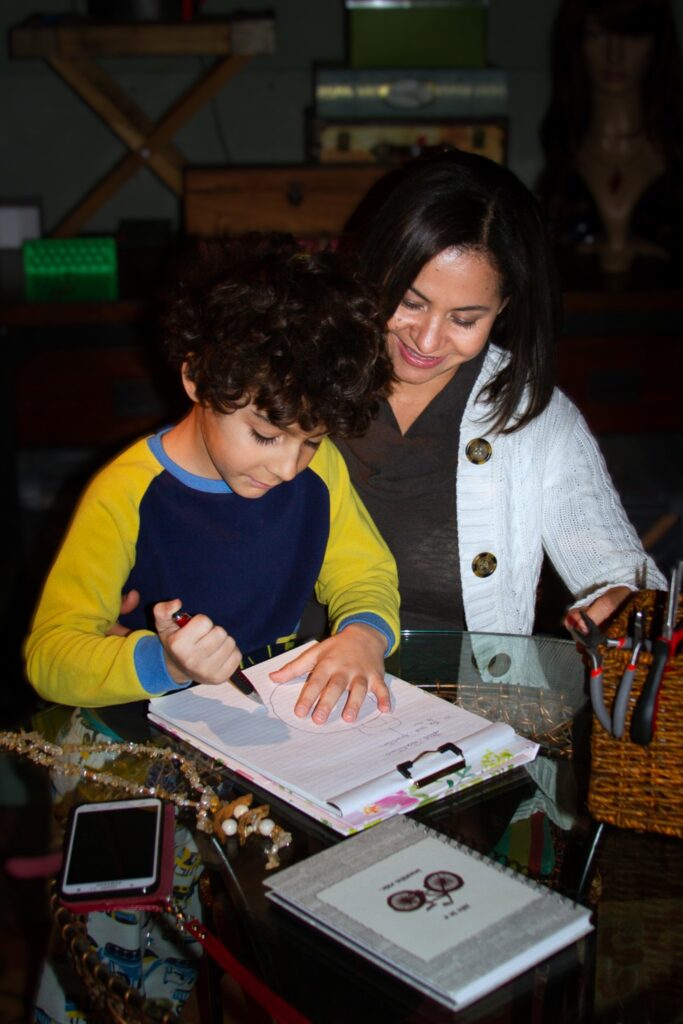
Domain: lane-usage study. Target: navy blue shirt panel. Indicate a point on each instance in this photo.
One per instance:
(249, 564)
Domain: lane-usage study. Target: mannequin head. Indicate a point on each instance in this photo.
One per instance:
(616, 63)
(612, 46)
(612, 137)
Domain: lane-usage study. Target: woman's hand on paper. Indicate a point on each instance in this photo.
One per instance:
(351, 661)
(199, 650)
(601, 609)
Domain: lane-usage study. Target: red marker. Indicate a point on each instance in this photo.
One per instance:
(181, 618)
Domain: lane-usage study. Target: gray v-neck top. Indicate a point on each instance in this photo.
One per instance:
(408, 484)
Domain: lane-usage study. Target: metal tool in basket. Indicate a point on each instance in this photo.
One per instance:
(592, 642)
(623, 693)
(664, 650)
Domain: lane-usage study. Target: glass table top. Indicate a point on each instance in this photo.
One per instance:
(532, 817)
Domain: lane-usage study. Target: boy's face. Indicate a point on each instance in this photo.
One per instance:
(247, 451)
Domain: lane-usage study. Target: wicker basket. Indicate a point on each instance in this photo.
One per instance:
(634, 786)
(640, 930)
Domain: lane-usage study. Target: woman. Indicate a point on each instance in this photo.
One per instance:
(612, 184)
(476, 465)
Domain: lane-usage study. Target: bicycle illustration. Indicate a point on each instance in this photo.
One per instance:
(438, 887)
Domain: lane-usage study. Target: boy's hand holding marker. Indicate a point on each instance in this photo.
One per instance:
(198, 650)
(351, 660)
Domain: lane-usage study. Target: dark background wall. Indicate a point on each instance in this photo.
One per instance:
(58, 373)
(54, 147)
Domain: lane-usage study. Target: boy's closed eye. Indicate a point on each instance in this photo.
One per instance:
(278, 432)
(311, 442)
(262, 438)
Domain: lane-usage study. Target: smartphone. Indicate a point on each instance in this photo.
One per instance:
(114, 850)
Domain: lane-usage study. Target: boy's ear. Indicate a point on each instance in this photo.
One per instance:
(188, 384)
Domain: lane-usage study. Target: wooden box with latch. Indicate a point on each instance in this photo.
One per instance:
(306, 200)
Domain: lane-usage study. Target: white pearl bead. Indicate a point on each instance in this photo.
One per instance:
(240, 810)
(266, 826)
(229, 826)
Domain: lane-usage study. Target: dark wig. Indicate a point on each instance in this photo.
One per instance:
(464, 201)
(259, 320)
(566, 120)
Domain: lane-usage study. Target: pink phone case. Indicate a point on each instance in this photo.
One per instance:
(149, 900)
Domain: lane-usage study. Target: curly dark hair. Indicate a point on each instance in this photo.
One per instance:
(258, 319)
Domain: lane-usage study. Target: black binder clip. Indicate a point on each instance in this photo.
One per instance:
(408, 768)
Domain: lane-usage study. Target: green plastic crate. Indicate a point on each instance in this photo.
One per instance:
(417, 33)
(70, 269)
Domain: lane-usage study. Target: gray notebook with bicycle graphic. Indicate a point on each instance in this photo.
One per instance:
(448, 921)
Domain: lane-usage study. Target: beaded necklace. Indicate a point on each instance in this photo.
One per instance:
(213, 815)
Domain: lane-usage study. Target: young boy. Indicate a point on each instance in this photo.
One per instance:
(240, 510)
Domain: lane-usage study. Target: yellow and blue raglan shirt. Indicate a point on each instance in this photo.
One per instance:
(249, 564)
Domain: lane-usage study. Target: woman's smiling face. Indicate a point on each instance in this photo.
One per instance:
(445, 317)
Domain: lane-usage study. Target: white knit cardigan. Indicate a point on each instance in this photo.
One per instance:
(545, 487)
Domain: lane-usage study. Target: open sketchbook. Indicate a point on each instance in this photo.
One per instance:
(347, 775)
(445, 920)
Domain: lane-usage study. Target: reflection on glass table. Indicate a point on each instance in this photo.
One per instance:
(536, 684)
(531, 817)
(524, 817)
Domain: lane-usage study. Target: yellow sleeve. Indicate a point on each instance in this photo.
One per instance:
(69, 659)
(358, 580)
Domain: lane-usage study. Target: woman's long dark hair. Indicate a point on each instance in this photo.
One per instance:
(568, 114)
(464, 201)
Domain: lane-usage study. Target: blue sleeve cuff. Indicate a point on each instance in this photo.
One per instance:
(150, 666)
(376, 621)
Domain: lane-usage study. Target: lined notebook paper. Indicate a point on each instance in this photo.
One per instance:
(347, 775)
